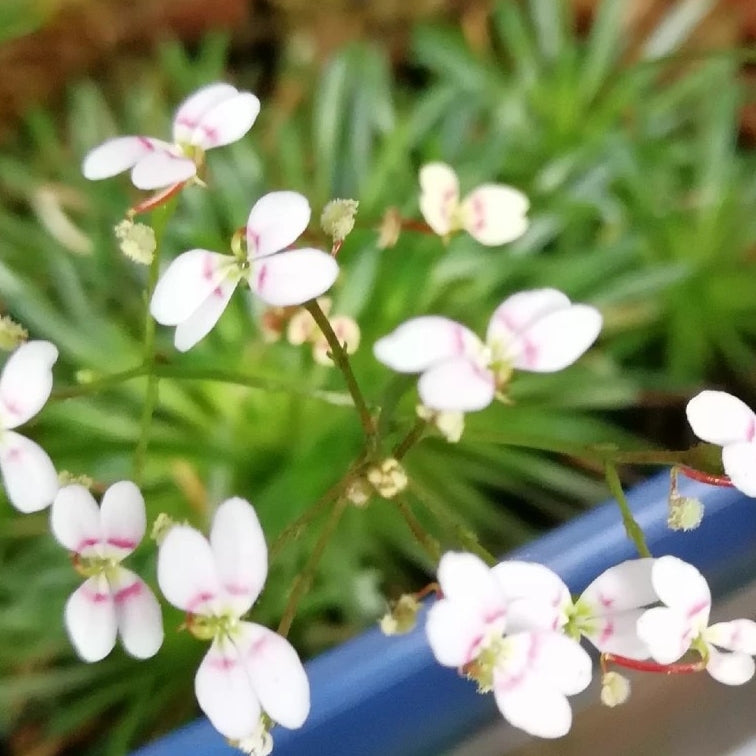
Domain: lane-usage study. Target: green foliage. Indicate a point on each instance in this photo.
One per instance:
(641, 204)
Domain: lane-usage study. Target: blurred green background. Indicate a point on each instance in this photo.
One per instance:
(629, 125)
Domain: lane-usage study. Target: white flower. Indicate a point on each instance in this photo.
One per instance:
(683, 623)
(492, 214)
(113, 600)
(214, 115)
(720, 418)
(538, 330)
(531, 673)
(25, 384)
(606, 612)
(248, 668)
(195, 288)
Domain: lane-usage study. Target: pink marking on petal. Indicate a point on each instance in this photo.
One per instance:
(126, 593)
(198, 599)
(605, 601)
(495, 615)
(479, 212)
(696, 608)
(210, 132)
(607, 632)
(186, 121)
(221, 662)
(147, 143)
(514, 680)
(261, 276)
(459, 339)
(14, 454)
(751, 429)
(447, 201)
(121, 543)
(86, 543)
(473, 648)
(97, 597)
(208, 268)
(530, 352)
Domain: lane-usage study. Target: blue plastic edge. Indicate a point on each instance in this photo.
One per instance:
(379, 696)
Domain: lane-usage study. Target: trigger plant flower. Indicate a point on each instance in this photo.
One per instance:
(213, 116)
(113, 600)
(531, 672)
(722, 419)
(539, 331)
(25, 384)
(194, 290)
(249, 670)
(683, 624)
(492, 214)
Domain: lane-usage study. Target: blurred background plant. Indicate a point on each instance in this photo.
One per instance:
(627, 124)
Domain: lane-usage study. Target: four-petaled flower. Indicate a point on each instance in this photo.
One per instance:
(683, 623)
(722, 419)
(215, 115)
(196, 287)
(248, 669)
(113, 600)
(531, 672)
(25, 384)
(492, 214)
(538, 330)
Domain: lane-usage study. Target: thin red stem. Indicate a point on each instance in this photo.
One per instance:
(678, 668)
(156, 200)
(713, 480)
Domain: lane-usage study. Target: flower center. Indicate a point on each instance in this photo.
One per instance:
(213, 626)
(94, 566)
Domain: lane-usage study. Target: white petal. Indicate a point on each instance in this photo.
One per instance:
(192, 109)
(454, 634)
(161, 168)
(494, 214)
(26, 382)
(739, 461)
(29, 474)
(720, 418)
(457, 385)
(730, 668)
(534, 707)
(91, 619)
(293, 277)
(140, 621)
(466, 577)
(625, 586)
(118, 155)
(276, 221)
(227, 122)
(75, 520)
(241, 556)
(681, 586)
(736, 635)
(224, 692)
(123, 519)
(186, 571)
(617, 633)
(519, 311)
(421, 342)
(204, 318)
(560, 661)
(666, 632)
(439, 196)
(277, 674)
(556, 340)
(186, 283)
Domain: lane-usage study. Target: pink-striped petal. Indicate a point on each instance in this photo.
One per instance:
(162, 168)
(494, 214)
(534, 707)
(736, 635)
(224, 691)
(293, 277)
(75, 521)
(666, 632)
(186, 571)
(625, 586)
(555, 340)
(720, 418)
(681, 586)
(439, 196)
(730, 668)
(739, 462)
(617, 633)
(455, 636)
(226, 122)
(241, 555)
(275, 222)
(191, 110)
(138, 615)
(28, 473)
(91, 619)
(122, 519)
(204, 318)
(519, 311)
(457, 385)
(118, 155)
(466, 577)
(186, 283)
(277, 675)
(26, 382)
(422, 342)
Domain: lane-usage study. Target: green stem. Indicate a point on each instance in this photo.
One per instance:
(303, 581)
(414, 435)
(633, 530)
(341, 360)
(428, 543)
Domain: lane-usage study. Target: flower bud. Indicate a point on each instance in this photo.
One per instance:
(388, 478)
(136, 241)
(163, 523)
(391, 227)
(337, 218)
(359, 492)
(450, 425)
(401, 617)
(12, 334)
(348, 333)
(615, 689)
(685, 513)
